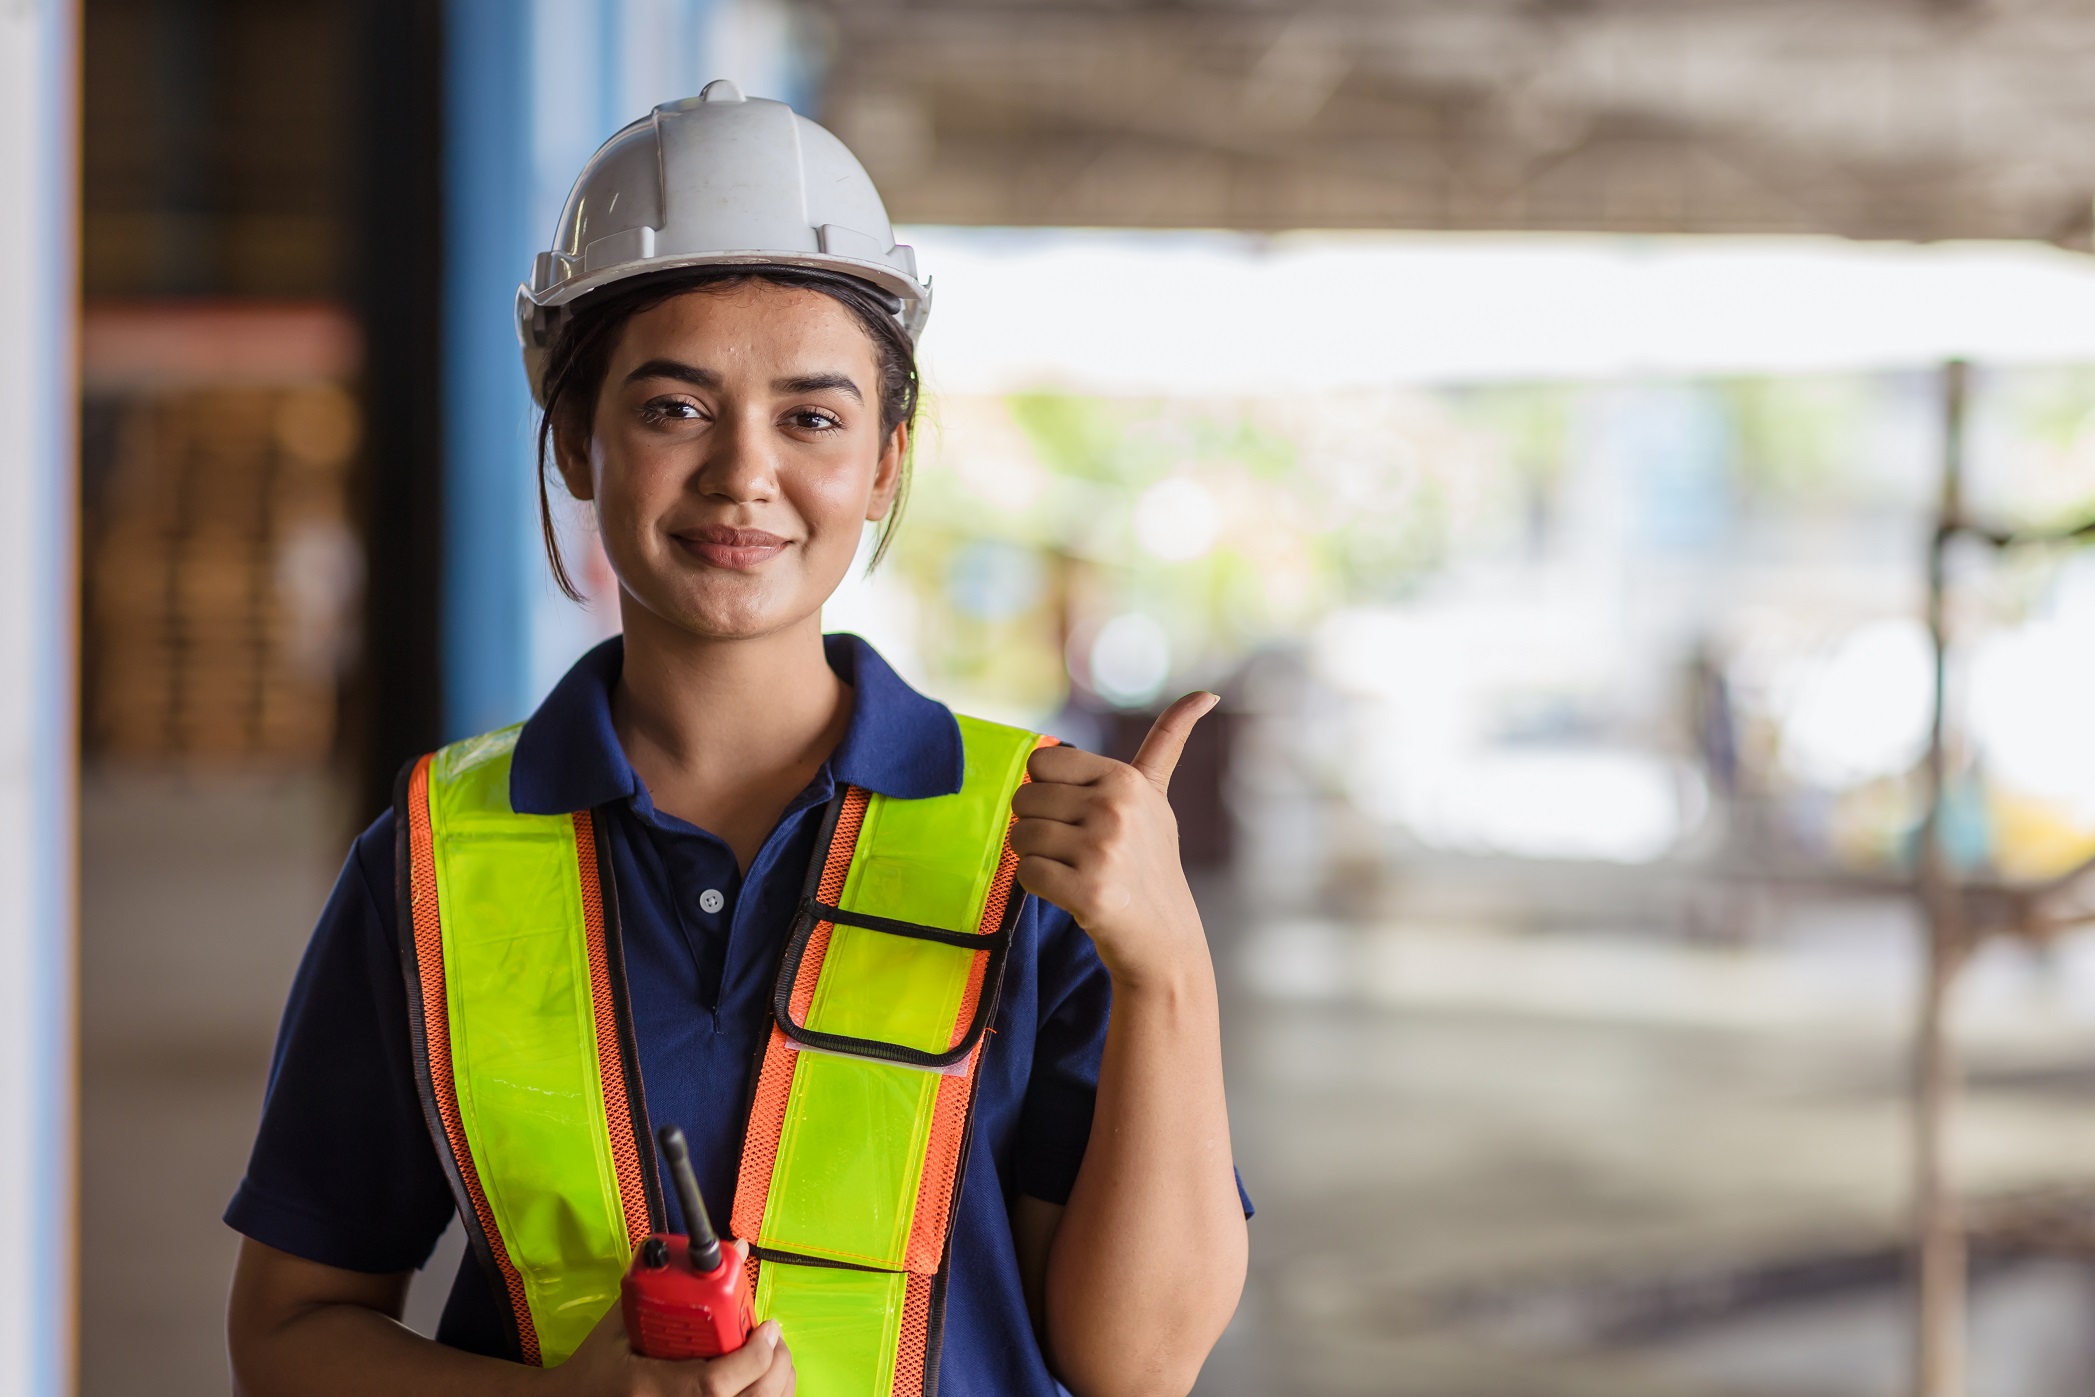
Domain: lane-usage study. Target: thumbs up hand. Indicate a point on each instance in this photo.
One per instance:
(1097, 838)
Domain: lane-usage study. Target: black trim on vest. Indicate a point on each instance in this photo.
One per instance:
(794, 1258)
(418, 1048)
(893, 926)
(995, 945)
(935, 1318)
(812, 912)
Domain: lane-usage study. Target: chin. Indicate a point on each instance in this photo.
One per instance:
(708, 604)
(736, 617)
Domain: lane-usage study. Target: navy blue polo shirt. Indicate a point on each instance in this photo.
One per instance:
(344, 1171)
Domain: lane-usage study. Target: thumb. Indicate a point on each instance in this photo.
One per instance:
(1159, 754)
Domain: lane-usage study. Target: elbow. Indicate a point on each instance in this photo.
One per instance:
(1154, 1350)
(1164, 1371)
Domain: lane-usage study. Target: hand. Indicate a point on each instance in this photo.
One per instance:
(1097, 838)
(606, 1366)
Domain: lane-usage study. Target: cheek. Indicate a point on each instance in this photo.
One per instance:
(832, 500)
(634, 480)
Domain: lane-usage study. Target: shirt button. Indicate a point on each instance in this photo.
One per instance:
(710, 901)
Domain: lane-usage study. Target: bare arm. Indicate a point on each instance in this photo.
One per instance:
(297, 1328)
(1147, 1260)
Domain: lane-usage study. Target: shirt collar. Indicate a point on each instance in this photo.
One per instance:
(899, 743)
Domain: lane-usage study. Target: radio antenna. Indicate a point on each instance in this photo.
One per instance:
(705, 1244)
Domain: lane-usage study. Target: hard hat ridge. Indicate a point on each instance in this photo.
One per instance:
(717, 180)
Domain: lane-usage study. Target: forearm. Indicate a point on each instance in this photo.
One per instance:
(1148, 1261)
(346, 1350)
(295, 1328)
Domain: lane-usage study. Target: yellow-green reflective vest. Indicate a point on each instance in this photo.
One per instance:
(859, 1124)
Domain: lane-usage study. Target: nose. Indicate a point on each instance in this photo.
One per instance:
(742, 458)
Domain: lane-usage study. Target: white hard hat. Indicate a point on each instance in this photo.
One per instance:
(717, 180)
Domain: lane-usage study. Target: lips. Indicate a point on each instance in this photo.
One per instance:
(737, 550)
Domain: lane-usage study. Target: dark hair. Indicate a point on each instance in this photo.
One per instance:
(579, 356)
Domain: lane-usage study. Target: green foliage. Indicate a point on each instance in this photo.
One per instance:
(1074, 436)
(1531, 422)
(1798, 439)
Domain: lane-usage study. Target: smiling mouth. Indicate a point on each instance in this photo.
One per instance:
(737, 550)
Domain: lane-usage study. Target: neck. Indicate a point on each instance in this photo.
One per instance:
(726, 732)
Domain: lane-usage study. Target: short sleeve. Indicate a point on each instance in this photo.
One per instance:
(343, 1171)
(1076, 996)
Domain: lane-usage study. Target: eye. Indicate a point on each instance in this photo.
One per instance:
(669, 409)
(813, 419)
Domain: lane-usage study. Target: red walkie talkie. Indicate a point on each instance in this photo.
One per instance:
(685, 1298)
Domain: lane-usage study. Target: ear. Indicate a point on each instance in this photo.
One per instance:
(887, 475)
(571, 457)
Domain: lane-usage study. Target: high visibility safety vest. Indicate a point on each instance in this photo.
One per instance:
(859, 1119)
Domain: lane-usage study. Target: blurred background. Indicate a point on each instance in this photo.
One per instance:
(1580, 439)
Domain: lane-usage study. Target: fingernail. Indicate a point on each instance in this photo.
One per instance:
(771, 1331)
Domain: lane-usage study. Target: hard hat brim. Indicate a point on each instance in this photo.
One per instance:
(536, 313)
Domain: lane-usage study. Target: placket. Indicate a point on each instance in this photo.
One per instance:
(757, 929)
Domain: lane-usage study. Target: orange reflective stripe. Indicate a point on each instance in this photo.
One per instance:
(913, 1351)
(836, 866)
(618, 1109)
(435, 1041)
(767, 1121)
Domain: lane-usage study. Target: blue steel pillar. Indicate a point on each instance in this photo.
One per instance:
(489, 572)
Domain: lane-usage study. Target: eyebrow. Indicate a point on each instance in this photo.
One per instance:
(670, 368)
(706, 378)
(818, 383)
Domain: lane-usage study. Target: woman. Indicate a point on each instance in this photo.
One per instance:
(732, 389)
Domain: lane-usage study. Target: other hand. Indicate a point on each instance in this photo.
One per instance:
(1097, 838)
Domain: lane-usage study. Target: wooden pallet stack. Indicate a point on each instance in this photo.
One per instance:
(221, 575)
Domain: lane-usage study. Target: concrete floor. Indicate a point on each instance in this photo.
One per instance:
(1439, 1195)
(1473, 1183)
(197, 896)
(1460, 1172)
(196, 901)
